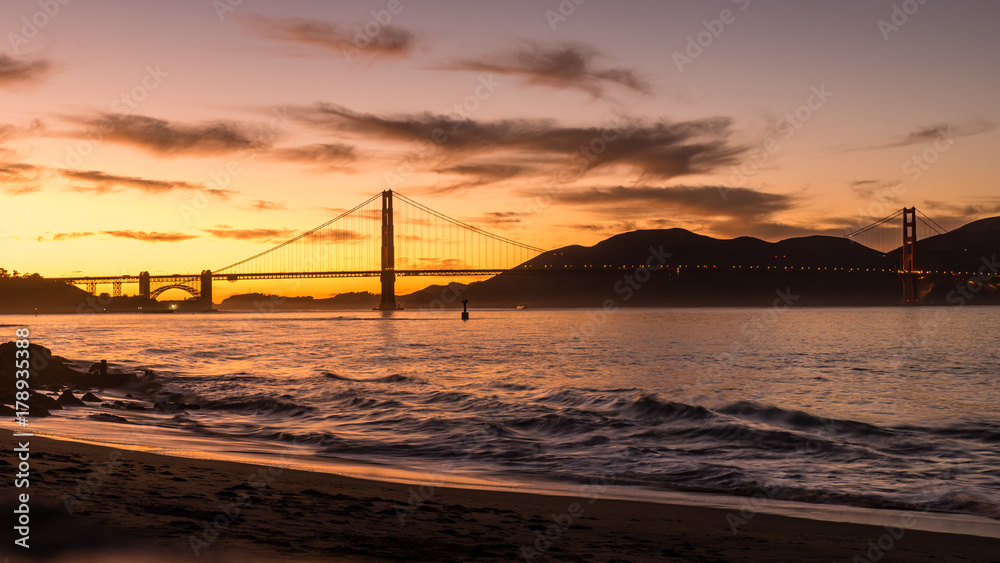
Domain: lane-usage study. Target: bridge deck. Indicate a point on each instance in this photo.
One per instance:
(481, 272)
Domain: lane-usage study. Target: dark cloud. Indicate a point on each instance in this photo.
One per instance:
(329, 156)
(149, 236)
(67, 236)
(339, 235)
(924, 135)
(15, 172)
(558, 66)
(610, 228)
(952, 215)
(13, 71)
(167, 138)
(695, 200)
(262, 235)
(261, 205)
(479, 174)
(387, 41)
(660, 150)
(499, 218)
(744, 212)
(101, 183)
(219, 193)
(933, 133)
(19, 178)
(729, 228)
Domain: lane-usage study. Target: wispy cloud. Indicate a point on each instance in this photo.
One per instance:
(19, 178)
(16, 72)
(151, 236)
(9, 131)
(866, 189)
(166, 138)
(262, 205)
(499, 219)
(101, 183)
(940, 131)
(328, 156)
(698, 200)
(68, 236)
(478, 174)
(563, 66)
(931, 133)
(389, 41)
(339, 235)
(260, 235)
(608, 228)
(952, 214)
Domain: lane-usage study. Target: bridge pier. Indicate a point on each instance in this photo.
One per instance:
(388, 274)
(910, 296)
(144, 286)
(206, 288)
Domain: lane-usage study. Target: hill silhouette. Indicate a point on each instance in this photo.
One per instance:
(744, 271)
(959, 250)
(26, 294)
(691, 249)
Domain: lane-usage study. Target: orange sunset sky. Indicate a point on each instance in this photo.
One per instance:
(180, 136)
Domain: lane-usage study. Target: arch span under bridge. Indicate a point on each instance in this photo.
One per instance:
(390, 235)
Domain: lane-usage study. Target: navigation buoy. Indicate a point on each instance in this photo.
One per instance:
(465, 309)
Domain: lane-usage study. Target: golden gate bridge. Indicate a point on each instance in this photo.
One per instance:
(390, 235)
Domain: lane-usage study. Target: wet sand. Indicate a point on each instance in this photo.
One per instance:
(148, 507)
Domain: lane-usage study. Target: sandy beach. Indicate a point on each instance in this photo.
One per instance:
(94, 503)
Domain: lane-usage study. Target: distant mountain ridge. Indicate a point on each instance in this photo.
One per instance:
(691, 249)
(815, 269)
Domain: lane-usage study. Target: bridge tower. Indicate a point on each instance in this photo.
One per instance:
(909, 246)
(144, 288)
(206, 287)
(388, 274)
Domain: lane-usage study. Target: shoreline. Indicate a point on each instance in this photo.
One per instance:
(267, 510)
(927, 521)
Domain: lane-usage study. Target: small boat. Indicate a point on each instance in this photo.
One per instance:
(520, 307)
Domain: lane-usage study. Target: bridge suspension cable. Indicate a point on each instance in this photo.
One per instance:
(882, 235)
(322, 248)
(931, 223)
(429, 240)
(425, 242)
